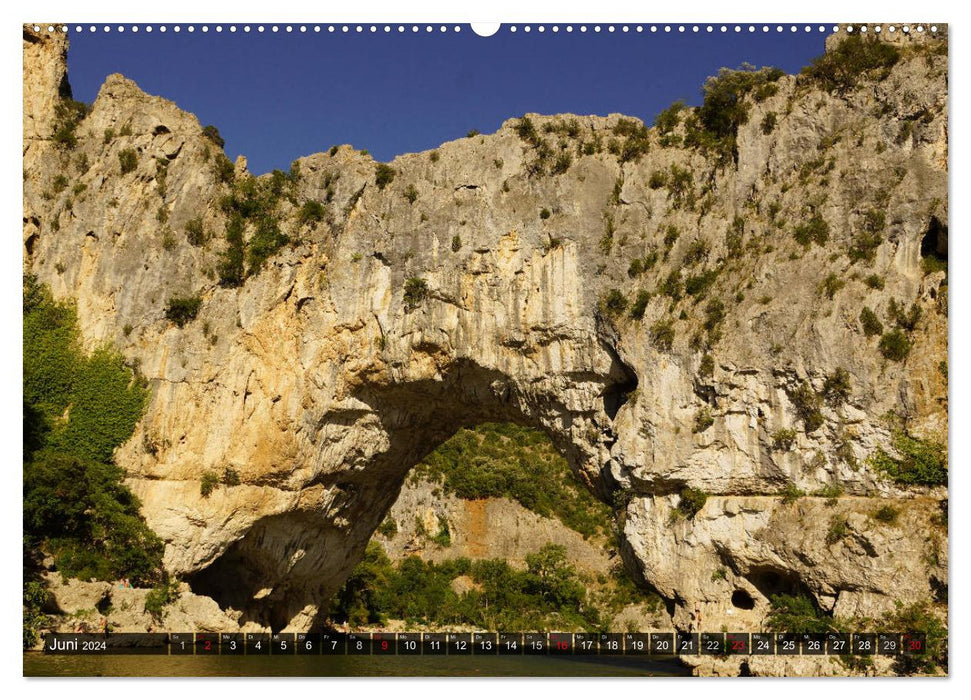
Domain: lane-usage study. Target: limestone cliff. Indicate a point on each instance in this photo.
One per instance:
(483, 281)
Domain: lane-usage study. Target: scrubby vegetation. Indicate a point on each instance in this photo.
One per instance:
(181, 310)
(511, 461)
(853, 60)
(159, 598)
(78, 408)
(917, 462)
(895, 345)
(548, 593)
(870, 322)
(690, 501)
(816, 230)
(662, 334)
(255, 202)
(208, 483)
(784, 438)
(614, 303)
(416, 290)
(798, 614)
(807, 404)
(713, 128)
(68, 114)
(212, 133)
(128, 160)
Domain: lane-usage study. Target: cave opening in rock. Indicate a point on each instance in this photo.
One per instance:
(933, 244)
(742, 600)
(772, 581)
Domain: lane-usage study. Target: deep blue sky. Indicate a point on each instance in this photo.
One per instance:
(275, 97)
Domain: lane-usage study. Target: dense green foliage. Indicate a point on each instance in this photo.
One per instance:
(77, 409)
(505, 460)
(921, 462)
(919, 618)
(852, 60)
(547, 594)
(384, 175)
(128, 160)
(691, 501)
(181, 310)
(212, 133)
(725, 107)
(416, 290)
(895, 345)
(797, 614)
(35, 597)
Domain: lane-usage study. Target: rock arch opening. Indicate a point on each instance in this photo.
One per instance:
(286, 567)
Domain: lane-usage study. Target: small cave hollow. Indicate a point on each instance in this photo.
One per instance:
(770, 581)
(741, 600)
(933, 244)
(624, 383)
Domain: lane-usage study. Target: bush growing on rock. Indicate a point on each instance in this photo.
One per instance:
(851, 61)
(128, 159)
(662, 334)
(797, 614)
(638, 308)
(384, 175)
(703, 420)
(691, 501)
(895, 345)
(416, 290)
(870, 322)
(181, 310)
(816, 230)
(212, 133)
(311, 213)
(68, 114)
(807, 404)
(614, 303)
(837, 387)
(208, 483)
(838, 529)
(159, 598)
(886, 514)
(784, 438)
(920, 462)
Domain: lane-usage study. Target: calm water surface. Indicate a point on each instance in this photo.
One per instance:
(38, 664)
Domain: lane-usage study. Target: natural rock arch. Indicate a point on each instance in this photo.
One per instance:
(288, 564)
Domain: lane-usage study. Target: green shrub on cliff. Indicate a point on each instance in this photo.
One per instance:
(850, 61)
(797, 614)
(78, 408)
(181, 310)
(502, 460)
(920, 462)
(68, 114)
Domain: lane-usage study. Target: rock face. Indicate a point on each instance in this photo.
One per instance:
(321, 384)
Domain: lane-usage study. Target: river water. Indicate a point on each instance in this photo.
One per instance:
(39, 664)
